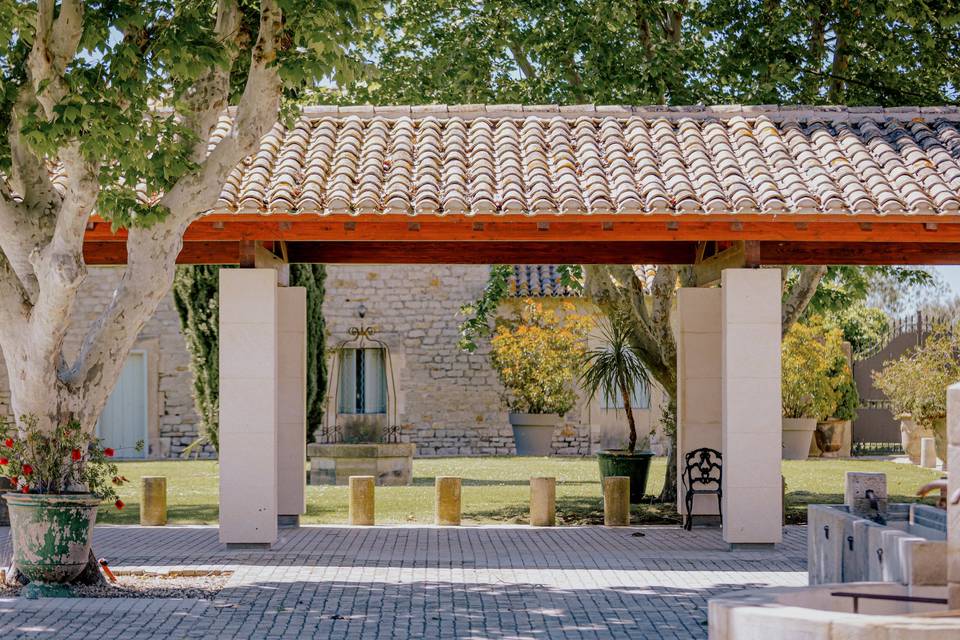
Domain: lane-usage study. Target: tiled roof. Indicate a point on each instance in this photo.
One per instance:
(543, 281)
(512, 159)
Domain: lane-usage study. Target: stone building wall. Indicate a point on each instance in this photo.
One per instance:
(448, 400)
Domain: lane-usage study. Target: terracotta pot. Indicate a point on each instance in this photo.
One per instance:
(797, 434)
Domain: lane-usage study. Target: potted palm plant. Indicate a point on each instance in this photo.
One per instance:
(614, 369)
(536, 355)
(58, 479)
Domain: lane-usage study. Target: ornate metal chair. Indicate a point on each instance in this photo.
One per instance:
(703, 469)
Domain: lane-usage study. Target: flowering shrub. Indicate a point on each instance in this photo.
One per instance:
(812, 372)
(537, 355)
(65, 461)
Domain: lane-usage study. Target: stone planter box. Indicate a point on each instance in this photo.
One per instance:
(390, 464)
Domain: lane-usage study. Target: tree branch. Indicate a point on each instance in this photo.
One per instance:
(800, 295)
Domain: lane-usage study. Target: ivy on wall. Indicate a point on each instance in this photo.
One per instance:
(195, 295)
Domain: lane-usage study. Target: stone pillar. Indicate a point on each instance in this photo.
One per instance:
(543, 502)
(699, 370)
(953, 485)
(153, 501)
(292, 398)
(362, 492)
(448, 501)
(751, 423)
(928, 453)
(616, 501)
(248, 407)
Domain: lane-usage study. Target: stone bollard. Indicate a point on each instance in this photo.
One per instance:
(616, 501)
(448, 501)
(928, 453)
(153, 502)
(362, 490)
(543, 502)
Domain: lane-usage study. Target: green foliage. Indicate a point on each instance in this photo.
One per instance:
(312, 277)
(65, 461)
(862, 326)
(480, 314)
(813, 368)
(138, 54)
(916, 383)
(196, 294)
(614, 368)
(846, 286)
(892, 52)
(537, 354)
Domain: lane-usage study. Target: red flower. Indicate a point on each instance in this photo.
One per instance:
(13, 481)
(26, 489)
(27, 469)
(75, 454)
(8, 443)
(108, 452)
(4, 461)
(118, 504)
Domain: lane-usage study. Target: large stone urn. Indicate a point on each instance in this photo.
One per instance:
(533, 432)
(51, 538)
(797, 435)
(939, 428)
(829, 437)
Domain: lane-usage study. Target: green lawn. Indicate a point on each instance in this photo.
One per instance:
(494, 490)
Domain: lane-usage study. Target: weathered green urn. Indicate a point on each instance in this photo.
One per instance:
(51, 538)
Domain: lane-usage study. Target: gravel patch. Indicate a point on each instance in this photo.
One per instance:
(149, 585)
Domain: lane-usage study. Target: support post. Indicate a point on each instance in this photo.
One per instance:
(751, 401)
(248, 407)
(699, 374)
(953, 485)
(292, 410)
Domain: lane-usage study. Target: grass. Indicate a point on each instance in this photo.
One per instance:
(494, 490)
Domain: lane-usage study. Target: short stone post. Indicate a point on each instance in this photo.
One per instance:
(616, 501)
(153, 502)
(362, 490)
(543, 502)
(928, 453)
(448, 501)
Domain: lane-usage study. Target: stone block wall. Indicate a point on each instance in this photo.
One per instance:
(448, 400)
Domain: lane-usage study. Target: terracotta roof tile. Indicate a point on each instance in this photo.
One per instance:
(585, 159)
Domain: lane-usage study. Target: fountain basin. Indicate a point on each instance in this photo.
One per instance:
(908, 546)
(812, 612)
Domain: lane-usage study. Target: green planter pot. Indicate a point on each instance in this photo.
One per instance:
(51, 538)
(635, 466)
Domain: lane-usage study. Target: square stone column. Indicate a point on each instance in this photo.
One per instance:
(248, 406)
(699, 372)
(751, 396)
(953, 484)
(292, 397)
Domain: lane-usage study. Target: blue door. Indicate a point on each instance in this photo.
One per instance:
(124, 421)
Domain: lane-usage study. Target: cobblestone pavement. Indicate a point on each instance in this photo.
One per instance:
(419, 582)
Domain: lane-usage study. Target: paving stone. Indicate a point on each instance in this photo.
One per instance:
(419, 582)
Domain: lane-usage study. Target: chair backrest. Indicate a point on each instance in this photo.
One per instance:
(703, 466)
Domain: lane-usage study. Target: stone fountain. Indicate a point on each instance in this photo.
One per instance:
(901, 561)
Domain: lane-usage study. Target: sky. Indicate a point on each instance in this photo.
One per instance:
(952, 276)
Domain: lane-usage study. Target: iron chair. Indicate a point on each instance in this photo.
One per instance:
(704, 468)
